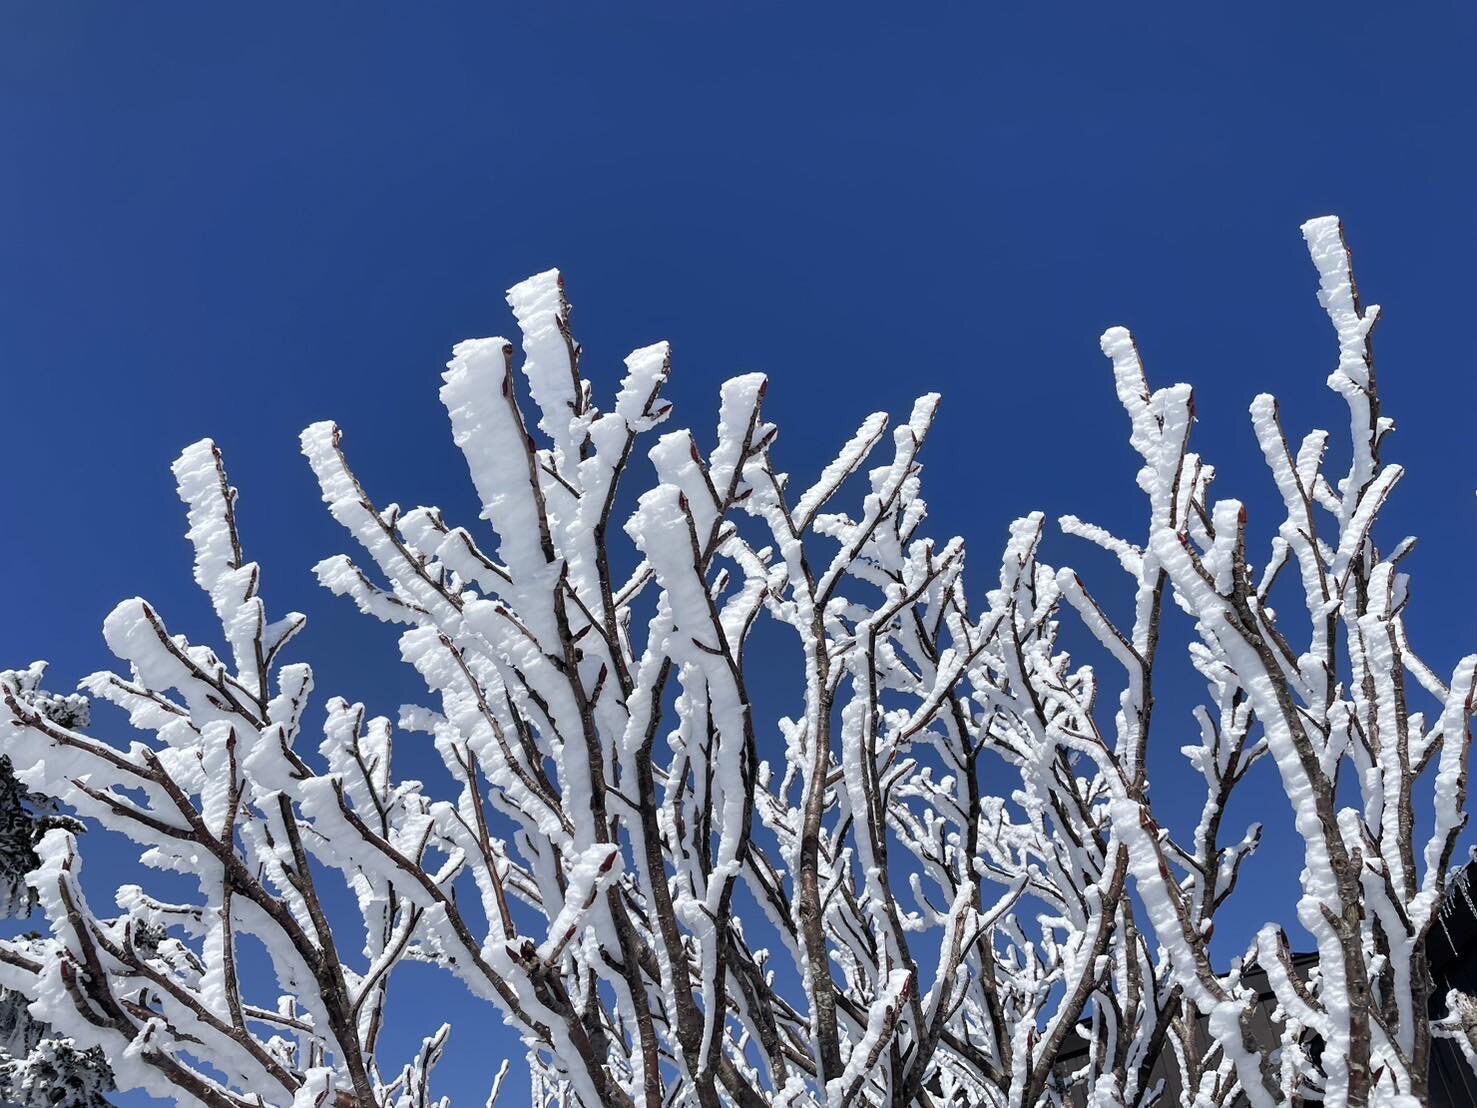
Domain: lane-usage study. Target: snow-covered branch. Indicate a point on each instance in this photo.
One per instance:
(938, 880)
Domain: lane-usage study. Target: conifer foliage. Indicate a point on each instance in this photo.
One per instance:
(38, 1069)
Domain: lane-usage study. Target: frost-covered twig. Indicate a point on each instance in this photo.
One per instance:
(938, 880)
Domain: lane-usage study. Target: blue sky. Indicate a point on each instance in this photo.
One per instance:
(232, 223)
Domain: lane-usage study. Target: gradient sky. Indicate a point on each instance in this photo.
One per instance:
(234, 221)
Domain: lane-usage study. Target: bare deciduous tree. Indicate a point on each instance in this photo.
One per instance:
(939, 881)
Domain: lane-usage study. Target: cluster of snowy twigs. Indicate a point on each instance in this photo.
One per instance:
(938, 882)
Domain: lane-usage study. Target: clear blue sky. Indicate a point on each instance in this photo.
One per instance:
(234, 221)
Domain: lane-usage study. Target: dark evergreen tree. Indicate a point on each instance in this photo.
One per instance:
(39, 1069)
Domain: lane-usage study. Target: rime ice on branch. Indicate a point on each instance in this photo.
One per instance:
(942, 847)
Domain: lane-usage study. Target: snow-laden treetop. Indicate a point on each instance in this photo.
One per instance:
(947, 886)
